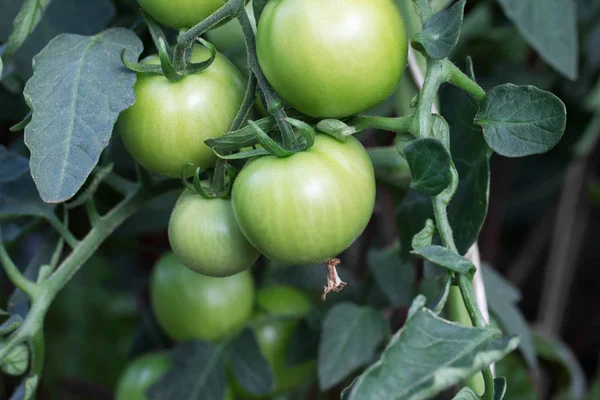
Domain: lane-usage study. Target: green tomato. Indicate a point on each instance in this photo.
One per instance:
(332, 58)
(180, 14)
(140, 375)
(189, 305)
(308, 207)
(167, 125)
(206, 238)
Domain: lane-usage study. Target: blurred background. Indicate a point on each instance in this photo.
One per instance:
(542, 226)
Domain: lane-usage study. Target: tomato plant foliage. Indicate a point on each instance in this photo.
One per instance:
(357, 154)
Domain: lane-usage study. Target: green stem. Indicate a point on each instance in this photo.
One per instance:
(274, 105)
(16, 277)
(186, 39)
(63, 231)
(459, 79)
(247, 104)
(398, 125)
(433, 79)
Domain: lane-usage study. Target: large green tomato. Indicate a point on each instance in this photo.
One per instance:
(180, 14)
(274, 336)
(206, 238)
(189, 305)
(140, 375)
(332, 58)
(308, 207)
(167, 125)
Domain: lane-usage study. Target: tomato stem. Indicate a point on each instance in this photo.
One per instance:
(459, 79)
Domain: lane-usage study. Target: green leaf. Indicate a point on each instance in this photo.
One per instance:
(12, 165)
(428, 355)
(80, 86)
(349, 338)
(440, 33)
(550, 26)
(519, 121)
(425, 236)
(29, 16)
(466, 393)
(430, 165)
(499, 388)
(445, 258)
(468, 209)
(502, 298)
(197, 373)
(62, 16)
(249, 366)
(396, 279)
(258, 5)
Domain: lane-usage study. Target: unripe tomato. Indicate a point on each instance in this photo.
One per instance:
(189, 305)
(308, 207)
(180, 14)
(140, 375)
(167, 125)
(206, 238)
(332, 58)
(274, 336)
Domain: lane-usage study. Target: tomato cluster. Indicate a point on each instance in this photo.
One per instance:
(326, 59)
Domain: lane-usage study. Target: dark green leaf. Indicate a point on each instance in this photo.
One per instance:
(411, 215)
(29, 16)
(197, 373)
(151, 218)
(349, 338)
(550, 27)
(428, 355)
(81, 86)
(499, 388)
(430, 165)
(396, 279)
(445, 258)
(440, 33)
(62, 16)
(249, 366)
(12, 165)
(520, 385)
(468, 209)
(19, 197)
(10, 324)
(502, 298)
(466, 393)
(519, 121)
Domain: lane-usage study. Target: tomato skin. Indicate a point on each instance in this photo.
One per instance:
(332, 58)
(189, 305)
(167, 125)
(206, 238)
(180, 14)
(308, 207)
(142, 373)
